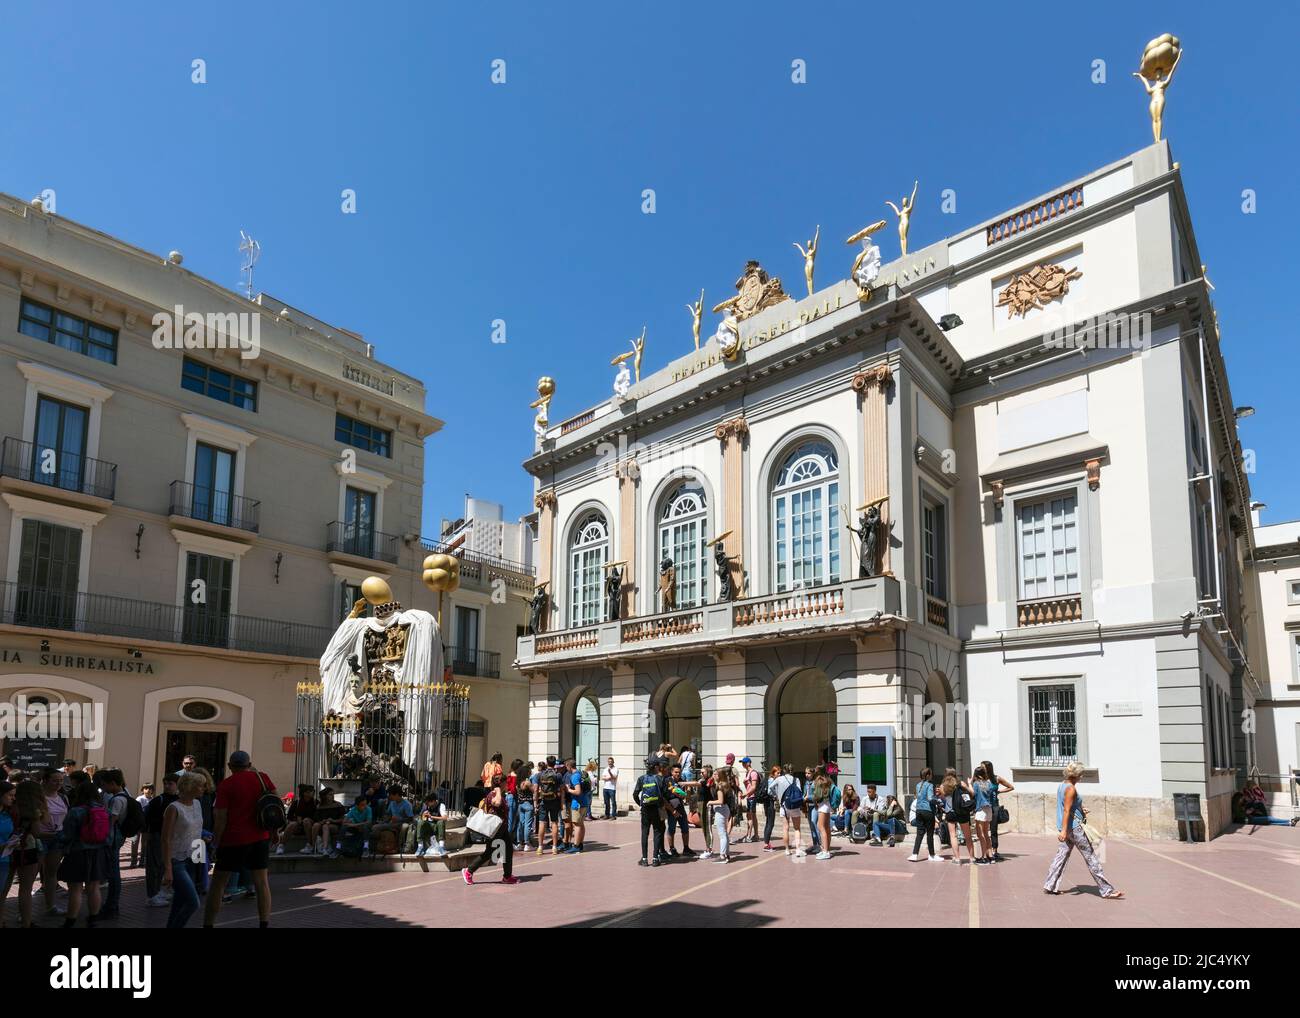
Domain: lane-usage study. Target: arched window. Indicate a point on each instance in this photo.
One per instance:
(588, 553)
(683, 537)
(806, 518)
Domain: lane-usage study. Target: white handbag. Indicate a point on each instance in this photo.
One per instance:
(483, 823)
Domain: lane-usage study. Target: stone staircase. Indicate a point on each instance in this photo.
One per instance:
(460, 852)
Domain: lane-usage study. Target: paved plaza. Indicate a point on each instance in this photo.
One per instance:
(1247, 878)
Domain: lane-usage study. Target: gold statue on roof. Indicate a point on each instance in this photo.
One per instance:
(696, 310)
(638, 348)
(904, 217)
(809, 256)
(1155, 71)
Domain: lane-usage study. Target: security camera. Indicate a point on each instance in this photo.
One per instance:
(1187, 616)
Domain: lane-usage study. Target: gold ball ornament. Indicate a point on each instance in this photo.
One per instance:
(441, 572)
(546, 386)
(1158, 57)
(375, 590)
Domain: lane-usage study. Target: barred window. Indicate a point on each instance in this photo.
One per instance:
(1053, 731)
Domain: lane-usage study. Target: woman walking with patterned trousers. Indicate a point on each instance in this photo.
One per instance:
(1069, 832)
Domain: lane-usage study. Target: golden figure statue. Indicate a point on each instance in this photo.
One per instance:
(809, 256)
(545, 392)
(1156, 70)
(696, 310)
(904, 217)
(638, 348)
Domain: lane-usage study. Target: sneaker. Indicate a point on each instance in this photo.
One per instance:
(913, 858)
(333, 853)
(673, 854)
(306, 850)
(768, 848)
(60, 910)
(419, 852)
(279, 850)
(467, 876)
(996, 857)
(723, 859)
(688, 854)
(934, 858)
(823, 855)
(572, 850)
(891, 841)
(799, 853)
(159, 900)
(705, 855)
(540, 849)
(250, 892)
(510, 880)
(875, 842)
(642, 862)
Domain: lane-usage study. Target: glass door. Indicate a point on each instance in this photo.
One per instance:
(214, 484)
(49, 561)
(207, 599)
(59, 449)
(359, 523)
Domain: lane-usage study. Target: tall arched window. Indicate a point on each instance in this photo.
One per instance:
(683, 537)
(588, 552)
(806, 518)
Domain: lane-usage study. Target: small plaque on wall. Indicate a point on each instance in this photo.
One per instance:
(846, 746)
(1121, 708)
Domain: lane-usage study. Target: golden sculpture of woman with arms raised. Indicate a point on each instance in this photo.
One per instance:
(809, 256)
(696, 310)
(904, 217)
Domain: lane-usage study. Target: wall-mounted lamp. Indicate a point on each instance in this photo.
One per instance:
(45, 646)
(920, 451)
(1244, 411)
(949, 322)
(279, 557)
(139, 533)
(132, 652)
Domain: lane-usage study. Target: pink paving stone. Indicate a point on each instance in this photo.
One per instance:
(1167, 885)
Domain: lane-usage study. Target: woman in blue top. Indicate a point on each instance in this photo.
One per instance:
(1070, 818)
(999, 784)
(924, 823)
(985, 793)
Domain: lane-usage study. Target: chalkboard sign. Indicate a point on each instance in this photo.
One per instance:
(36, 754)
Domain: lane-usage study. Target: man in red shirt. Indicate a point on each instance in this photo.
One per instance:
(242, 843)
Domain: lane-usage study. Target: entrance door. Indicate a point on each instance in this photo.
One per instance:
(208, 746)
(58, 454)
(586, 731)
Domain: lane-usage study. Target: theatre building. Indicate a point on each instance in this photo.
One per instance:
(1038, 411)
(182, 528)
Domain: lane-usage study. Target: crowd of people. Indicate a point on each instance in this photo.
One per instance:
(201, 841)
(549, 804)
(63, 832)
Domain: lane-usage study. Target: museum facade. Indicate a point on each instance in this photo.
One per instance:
(986, 503)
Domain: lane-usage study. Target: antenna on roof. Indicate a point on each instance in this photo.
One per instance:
(251, 250)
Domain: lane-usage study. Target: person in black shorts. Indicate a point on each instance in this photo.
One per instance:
(650, 793)
(242, 843)
(678, 815)
(549, 792)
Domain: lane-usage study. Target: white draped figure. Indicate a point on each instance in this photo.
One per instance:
(420, 664)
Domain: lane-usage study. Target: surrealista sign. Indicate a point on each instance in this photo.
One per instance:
(82, 662)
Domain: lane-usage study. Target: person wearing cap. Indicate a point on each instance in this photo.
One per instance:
(241, 842)
(650, 794)
(749, 785)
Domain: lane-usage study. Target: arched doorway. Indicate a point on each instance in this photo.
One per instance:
(682, 716)
(937, 724)
(586, 729)
(806, 719)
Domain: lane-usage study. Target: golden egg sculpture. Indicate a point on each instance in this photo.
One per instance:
(441, 572)
(375, 589)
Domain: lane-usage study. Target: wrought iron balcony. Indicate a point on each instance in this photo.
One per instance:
(35, 463)
(129, 619)
(469, 661)
(360, 542)
(812, 613)
(207, 505)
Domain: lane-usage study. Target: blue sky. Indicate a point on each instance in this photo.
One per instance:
(522, 201)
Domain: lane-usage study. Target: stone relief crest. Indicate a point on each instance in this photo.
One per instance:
(755, 292)
(1035, 288)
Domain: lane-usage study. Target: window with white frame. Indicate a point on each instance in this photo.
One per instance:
(934, 548)
(588, 553)
(806, 518)
(1293, 592)
(1212, 723)
(1047, 541)
(1053, 726)
(683, 537)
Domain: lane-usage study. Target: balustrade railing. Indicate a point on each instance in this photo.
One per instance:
(796, 604)
(656, 626)
(1034, 215)
(1046, 610)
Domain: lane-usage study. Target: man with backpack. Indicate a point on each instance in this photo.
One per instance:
(126, 820)
(577, 788)
(650, 793)
(246, 812)
(549, 794)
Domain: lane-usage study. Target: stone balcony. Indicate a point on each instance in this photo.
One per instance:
(837, 609)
